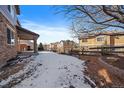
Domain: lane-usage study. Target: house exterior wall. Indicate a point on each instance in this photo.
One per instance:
(109, 40)
(12, 18)
(89, 43)
(23, 47)
(60, 48)
(112, 40)
(7, 51)
(28, 43)
(8, 33)
(68, 46)
(24, 44)
(46, 47)
(92, 42)
(65, 46)
(119, 40)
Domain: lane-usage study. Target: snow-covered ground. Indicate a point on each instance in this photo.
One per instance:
(54, 70)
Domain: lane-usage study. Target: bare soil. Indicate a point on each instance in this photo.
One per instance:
(100, 74)
(114, 60)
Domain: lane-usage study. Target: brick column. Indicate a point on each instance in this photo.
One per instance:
(35, 45)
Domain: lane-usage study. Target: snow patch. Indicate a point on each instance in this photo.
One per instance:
(52, 71)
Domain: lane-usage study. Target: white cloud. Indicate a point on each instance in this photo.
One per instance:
(47, 34)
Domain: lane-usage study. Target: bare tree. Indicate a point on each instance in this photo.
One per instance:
(78, 30)
(94, 18)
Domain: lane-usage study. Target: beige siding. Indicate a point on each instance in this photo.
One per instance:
(119, 40)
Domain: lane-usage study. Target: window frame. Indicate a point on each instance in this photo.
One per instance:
(12, 36)
(84, 40)
(100, 39)
(11, 10)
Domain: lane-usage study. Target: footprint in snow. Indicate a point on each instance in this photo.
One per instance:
(65, 67)
(46, 81)
(31, 84)
(71, 86)
(39, 64)
(36, 76)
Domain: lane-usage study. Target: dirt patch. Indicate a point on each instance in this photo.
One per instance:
(116, 61)
(101, 75)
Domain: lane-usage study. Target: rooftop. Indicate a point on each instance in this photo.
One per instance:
(102, 33)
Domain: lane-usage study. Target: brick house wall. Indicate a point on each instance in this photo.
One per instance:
(6, 51)
(10, 30)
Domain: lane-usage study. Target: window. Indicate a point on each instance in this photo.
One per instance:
(10, 37)
(84, 40)
(100, 39)
(11, 10)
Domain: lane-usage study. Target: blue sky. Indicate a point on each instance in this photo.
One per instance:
(43, 20)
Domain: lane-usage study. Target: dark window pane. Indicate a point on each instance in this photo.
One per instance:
(8, 36)
(84, 40)
(9, 8)
(12, 35)
(100, 39)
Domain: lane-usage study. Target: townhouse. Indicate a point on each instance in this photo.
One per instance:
(54, 46)
(109, 39)
(46, 47)
(65, 46)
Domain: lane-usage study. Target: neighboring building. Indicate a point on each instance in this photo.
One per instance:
(26, 45)
(102, 39)
(53, 46)
(11, 32)
(65, 46)
(46, 47)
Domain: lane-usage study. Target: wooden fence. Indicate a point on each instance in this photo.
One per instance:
(104, 50)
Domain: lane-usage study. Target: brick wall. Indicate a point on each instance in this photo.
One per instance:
(7, 52)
